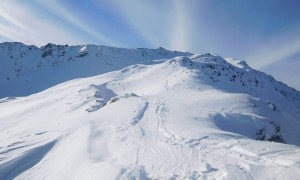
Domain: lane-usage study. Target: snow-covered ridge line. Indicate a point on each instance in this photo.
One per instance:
(22, 64)
(33, 69)
(237, 77)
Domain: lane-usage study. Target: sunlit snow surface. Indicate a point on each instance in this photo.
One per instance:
(178, 119)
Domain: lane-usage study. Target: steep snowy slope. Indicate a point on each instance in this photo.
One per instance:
(25, 70)
(193, 117)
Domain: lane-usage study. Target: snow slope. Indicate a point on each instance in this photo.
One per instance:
(190, 117)
(28, 69)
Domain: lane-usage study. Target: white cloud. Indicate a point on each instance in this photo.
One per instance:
(19, 23)
(56, 8)
(179, 37)
(12, 34)
(149, 19)
(163, 24)
(277, 49)
(167, 24)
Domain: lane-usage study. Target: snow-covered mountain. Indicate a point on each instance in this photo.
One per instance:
(161, 117)
(29, 69)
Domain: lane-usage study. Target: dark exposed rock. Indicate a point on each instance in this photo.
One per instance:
(276, 137)
(47, 53)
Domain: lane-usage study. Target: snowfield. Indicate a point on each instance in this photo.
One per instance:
(187, 117)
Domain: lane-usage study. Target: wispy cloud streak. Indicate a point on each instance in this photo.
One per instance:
(65, 14)
(21, 24)
(179, 37)
(277, 49)
(150, 21)
(165, 25)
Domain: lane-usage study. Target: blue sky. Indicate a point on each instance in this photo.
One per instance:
(265, 33)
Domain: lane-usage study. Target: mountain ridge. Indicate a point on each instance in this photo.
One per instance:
(54, 55)
(18, 59)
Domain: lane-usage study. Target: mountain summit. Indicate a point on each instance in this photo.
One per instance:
(148, 114)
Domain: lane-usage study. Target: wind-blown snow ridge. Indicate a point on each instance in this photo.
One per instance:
(187, 117)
